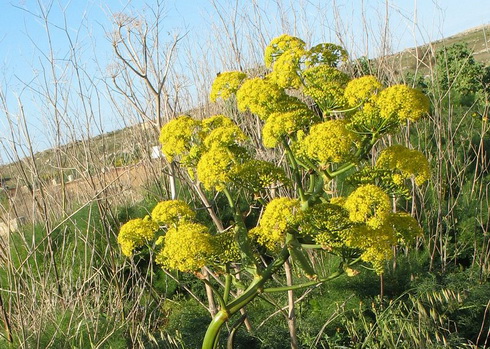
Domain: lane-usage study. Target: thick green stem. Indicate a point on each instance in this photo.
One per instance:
(241, 235)
(226, 294)
(294, 166)
(311, 246)
(312, 185)
(212, 333)
(311, 283)
(342, 169)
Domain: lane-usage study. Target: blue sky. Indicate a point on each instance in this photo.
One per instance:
(24, 42)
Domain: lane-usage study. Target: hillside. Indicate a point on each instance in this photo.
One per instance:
(421, 58)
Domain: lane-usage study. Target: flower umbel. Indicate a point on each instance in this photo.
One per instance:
(264, 97)
(172, 212)
(186, 247)
(404, 163)
(368, 204)
(135, 233)
(329, 141)
(402, 103)
(326, 223)
(280, 45)
(279, 215)
(283, 124)
(361, 90)
(226, 84)
(256, 175)
(177, 136)
(326, 86)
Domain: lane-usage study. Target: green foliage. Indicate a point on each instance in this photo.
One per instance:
(188, 320)
(455, 202)
(456, 69)
(63, 329)
(420, 310)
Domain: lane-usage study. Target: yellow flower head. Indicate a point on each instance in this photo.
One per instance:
(376, 244)
(361, 89)
(279, 216)
(326, 86)
(177, 136)
(280, 45)
(215, 121)
(172, 212)
(405, 163)
(136, 233)
(187, 247)
(326, 224)
(325, 54)
(368, 204)
(263, 97)
(214, 166)
(226, 84)
(285, 123)
(402, 103)
(256, 175)
(225, 248)
(225, 136)
(329, 141)
(286, 68)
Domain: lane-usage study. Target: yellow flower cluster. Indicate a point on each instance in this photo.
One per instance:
(214, 166)
(279, 216)
(285, 123)
(383, 110)
(225, 248)
(326, 223)
(325, 54)
(405, 163)
(186, 247)
(376, 244)
(329, 141)
(326, 86)
(280, 45)
(226, 84)
(256, 175)
(368, 119)
(286, 70)
(224, 136)
(176, 137)
(136, 233)
(368, 204)
(215, 121)
(361, 90)
(171, 212)
(264, 97)
(403, 103)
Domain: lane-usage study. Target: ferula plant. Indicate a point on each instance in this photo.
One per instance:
(331, 192)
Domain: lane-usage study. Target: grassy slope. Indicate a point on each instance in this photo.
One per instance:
(421, 58)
